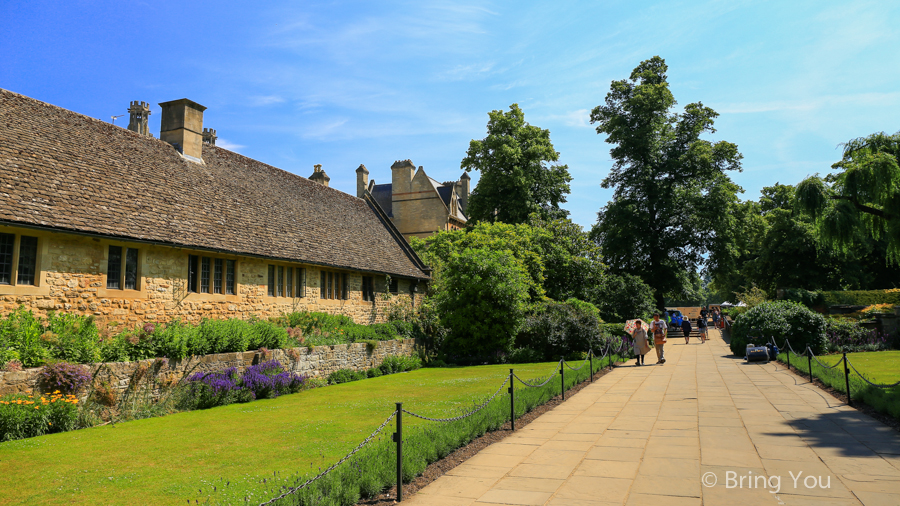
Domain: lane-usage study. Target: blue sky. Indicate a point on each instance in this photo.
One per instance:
(294, 84)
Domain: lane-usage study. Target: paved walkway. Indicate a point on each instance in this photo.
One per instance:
(650, 435)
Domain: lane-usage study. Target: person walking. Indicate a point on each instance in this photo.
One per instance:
(686, 328)
(701, 326)
(715, 317)
(641, 346)
(660, 330)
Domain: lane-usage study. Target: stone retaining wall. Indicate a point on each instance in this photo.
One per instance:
(319, 361)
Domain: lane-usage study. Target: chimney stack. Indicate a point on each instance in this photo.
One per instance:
(182, 126)
(362, 180)
(464, 181)
(209, 136)
(319, 175)
(402, 173)
(139, 114)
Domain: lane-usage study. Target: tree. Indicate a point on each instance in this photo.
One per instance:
(573, 265)
(482, 301)
(673, 203)
(863, 199)
(516, 178)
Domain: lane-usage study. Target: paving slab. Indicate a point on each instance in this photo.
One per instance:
(703, 429)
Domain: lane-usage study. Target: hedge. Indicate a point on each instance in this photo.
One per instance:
(843, 298)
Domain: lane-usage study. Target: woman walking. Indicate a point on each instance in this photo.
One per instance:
(686, 328)
(641, 346)
(701, 326)
(660, 331)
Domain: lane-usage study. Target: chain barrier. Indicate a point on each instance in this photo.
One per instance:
(823, 365)
(460, 417)
(293, 490)
(552, 375)
(878, 385)
(576, 369)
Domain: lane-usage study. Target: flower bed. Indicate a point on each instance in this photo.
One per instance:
(24, 416)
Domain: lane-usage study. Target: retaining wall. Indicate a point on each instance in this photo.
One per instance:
(317, 361)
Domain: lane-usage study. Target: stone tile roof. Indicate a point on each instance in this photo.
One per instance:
(66, 171)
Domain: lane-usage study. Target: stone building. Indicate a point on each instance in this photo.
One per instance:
(99, 220)
(417, 204)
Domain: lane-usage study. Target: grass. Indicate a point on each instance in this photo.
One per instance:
(176, 458)
(877, 366)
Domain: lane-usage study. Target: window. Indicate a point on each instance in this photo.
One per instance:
(333, 285)
(114, 268)
(121, 268)
(211, 275)
(131, 267)
(393, 288)
(217, 276)
(24, 266)
(368, 288)
(286, 281)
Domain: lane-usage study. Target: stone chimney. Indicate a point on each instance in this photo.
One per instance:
(319, 175)
(139, 115)
(464, 181)
(209, 136)
(402, 173)
(182, 127)
(362, 180)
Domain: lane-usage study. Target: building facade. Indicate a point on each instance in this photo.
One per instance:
(99, 220)
(417, 204)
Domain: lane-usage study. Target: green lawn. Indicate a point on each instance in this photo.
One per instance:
(878, 366)
(168, 460)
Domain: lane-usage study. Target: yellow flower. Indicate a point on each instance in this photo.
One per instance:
(37, 407)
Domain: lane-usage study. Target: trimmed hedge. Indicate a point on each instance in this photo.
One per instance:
(781, 320)
(842, 298)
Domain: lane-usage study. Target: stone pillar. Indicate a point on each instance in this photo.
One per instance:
(209, 136)
(362, 180)
(464, 182)
(139, 114)
(319, 175)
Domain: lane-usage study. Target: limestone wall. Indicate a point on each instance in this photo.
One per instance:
(319, 361)
(72, 278)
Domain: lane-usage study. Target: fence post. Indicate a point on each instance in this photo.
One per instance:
(847, 379)
(562, 377)
(787, 351)
(591, 360)
(398, 438)
(809, 362)
(512, 401)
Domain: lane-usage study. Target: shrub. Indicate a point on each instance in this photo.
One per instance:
(556, 329)
(805, 297)
(373, 372)
(399, 363)
(345, 376)
(266, 380)
(848, 335)
(780, 320)
(65, 377)
(623, 297)
(524, 356)
(22, 331)
(481, 298)
(77, 337)
(862, 297)
(23, 416)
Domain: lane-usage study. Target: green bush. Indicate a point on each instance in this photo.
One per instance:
(76, 337)
(557, 329)
(22, 331)
(481, 297)
(524, 356)
(623, 297)
(399, 363)
(23, 416)
(781, 320)
(805, 297)
(861, 297)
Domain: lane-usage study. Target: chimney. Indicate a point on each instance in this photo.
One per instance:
(402, 173)
(182, 127)
(139, 115)
(209, 136)
(362, 180)
(319, 175)
(464, 181)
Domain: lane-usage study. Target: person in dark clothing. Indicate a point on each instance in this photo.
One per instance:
(701, 326)
(686, 328)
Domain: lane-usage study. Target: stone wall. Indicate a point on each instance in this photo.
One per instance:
(319, 361)
(72, 278)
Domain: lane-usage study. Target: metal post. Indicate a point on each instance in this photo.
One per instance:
(809, 362)
(787, 352)
(512, 401)
(562, 378)
(398, 438)
(847, 379)
(591, 360)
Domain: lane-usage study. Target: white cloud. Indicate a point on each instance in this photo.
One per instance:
(261, 100)
(230, 146)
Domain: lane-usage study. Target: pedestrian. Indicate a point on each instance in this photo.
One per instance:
(701, 326)
(641, 346)
(660, 330)
(703, 313)
(715, 317)
(686, 328)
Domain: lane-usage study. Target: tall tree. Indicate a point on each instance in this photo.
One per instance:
(517, 178)
(863, 199)
(672, 209)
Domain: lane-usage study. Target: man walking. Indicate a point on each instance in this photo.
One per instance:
(701, 326)
(660, 330)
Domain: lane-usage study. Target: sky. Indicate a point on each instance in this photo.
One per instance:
(294, 84)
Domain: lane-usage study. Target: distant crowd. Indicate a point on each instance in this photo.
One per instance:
(659, 328)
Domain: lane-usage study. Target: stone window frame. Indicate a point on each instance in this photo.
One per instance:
(336, 277)
(298, 281)
(123, 261)
(103, 290)
(211, 285)
(14, 287)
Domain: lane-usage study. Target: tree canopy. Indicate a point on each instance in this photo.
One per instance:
(517, 178)
(862, 200)
(674, 207)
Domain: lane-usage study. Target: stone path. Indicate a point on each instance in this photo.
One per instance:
(650, 436)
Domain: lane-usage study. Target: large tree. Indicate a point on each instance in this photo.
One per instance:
(862, 200)
(673, 206)
(517, 176)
